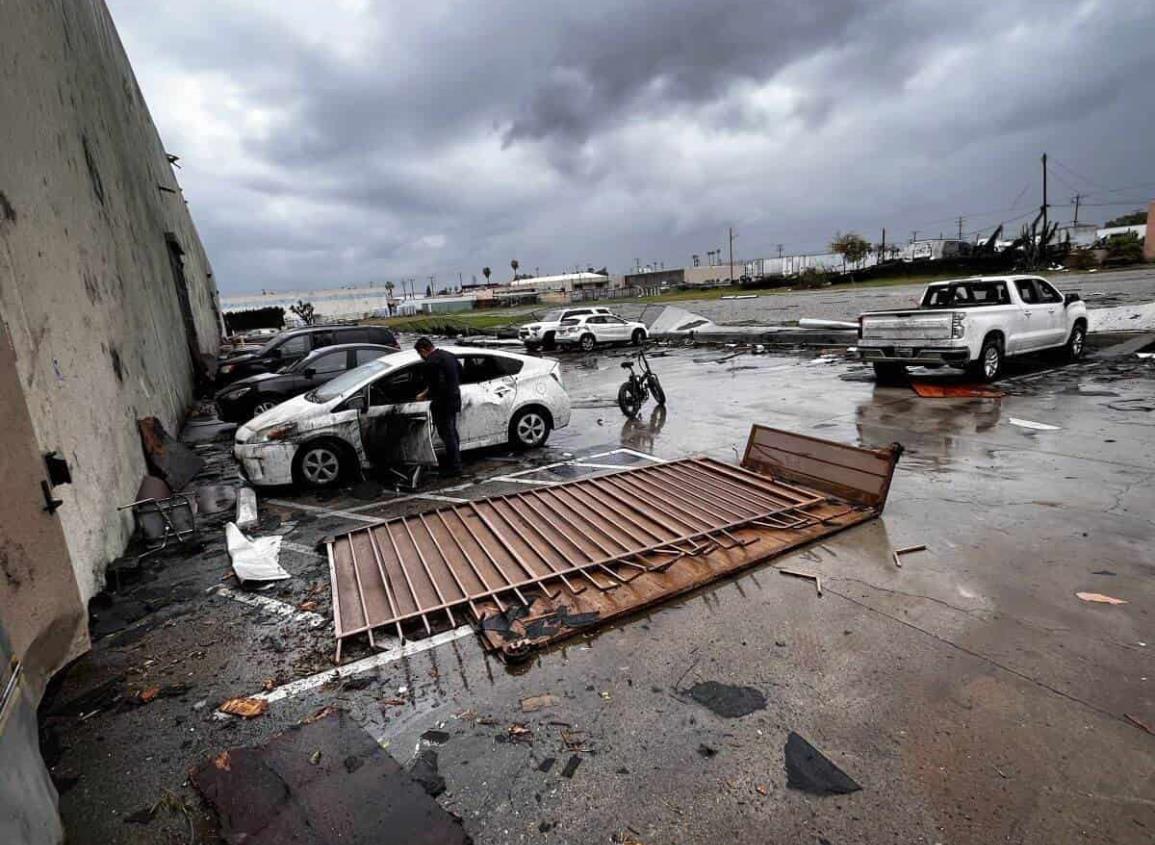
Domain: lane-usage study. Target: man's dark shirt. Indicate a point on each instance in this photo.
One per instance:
(443, 378)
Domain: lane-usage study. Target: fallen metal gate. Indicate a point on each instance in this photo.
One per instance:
(593, 533)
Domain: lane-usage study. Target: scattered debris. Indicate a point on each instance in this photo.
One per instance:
(435, 737)
(706, 751)
(246, 507)
(255, 560)
(1035, 426)
(271, 794)
(571, 766)
(147, 695)
(1100, 598)
(247, 708)
(424, 771)
(538, 702)
(215, 498)
(760, 789)
(546, 764)
(798, 573)
(359, 683)
(809, 771)
(725, 700)
(518, 732)
(906, 550)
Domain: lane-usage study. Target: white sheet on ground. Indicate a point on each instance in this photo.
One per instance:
(255, 560)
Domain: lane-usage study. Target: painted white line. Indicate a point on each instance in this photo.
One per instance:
(509, 479)
(313, 620)
(383, 658)
(300, 549)
(585, 465)
(283, 503)
(636, 454)
(437, 497)
(1037, 426)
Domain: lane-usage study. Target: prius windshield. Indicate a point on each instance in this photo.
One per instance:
(345, 382)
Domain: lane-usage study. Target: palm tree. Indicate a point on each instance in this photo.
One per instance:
(389, 289)
(514, 265)
(485, 271)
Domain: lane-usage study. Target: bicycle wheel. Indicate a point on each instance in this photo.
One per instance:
(656, 389)
(629, 399)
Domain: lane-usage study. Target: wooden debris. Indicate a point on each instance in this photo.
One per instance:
(246, 708)
(1100, 598)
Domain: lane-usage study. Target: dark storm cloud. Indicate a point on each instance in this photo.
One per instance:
(356, 140)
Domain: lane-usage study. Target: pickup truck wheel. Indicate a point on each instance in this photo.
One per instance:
(1076, 343)
(990, 362)
(886, 372)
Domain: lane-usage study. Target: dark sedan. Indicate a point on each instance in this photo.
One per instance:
(244, 399)
(290, 346)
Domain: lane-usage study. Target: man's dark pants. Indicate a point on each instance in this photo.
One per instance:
(445, 421)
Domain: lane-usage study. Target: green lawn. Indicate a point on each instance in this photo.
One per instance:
(718, 293)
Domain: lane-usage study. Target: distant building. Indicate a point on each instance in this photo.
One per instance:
(566, 282)
(1139, 230)
(934, 249)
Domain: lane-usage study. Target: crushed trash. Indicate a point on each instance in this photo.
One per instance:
(1035, 426)
(1100, 598)
(247, 708)
(254, 560)
(809, 771)
(424, 771)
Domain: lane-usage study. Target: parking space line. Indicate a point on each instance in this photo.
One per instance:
(302, 549)
(314, 620)
(341, 514)
(392, 655)
(509, 479)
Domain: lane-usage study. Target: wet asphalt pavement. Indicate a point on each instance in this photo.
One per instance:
(970, 693)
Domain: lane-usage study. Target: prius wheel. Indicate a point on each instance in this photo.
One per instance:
(263, 405)
(588, 342)
(320, 464)
(529, 428)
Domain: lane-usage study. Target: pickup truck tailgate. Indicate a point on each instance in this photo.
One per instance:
(909, 325)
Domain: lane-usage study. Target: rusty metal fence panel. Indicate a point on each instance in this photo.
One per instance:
(593, 533)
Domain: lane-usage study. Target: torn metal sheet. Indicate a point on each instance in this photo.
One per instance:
(321, 783)
(640, 534)
(170, 459)
(255, 560)
(246, 507)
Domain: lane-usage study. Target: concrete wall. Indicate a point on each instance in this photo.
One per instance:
(1149, 240)
(87, 290)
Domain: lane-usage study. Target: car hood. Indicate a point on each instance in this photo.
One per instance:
(249, 381)
(296, 410)
(236, 359)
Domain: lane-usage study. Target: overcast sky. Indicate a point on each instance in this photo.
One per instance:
(347, 141)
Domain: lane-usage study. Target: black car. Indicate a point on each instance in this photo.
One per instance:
(247, 397)
(291, 346)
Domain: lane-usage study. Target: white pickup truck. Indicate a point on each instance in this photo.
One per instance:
(974, 324)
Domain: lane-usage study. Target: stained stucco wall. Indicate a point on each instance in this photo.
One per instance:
(87, 289)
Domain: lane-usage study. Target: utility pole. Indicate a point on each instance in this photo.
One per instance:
(779, 250)
(914, 236)
(637, 265)
(960, 225)
(731, 255)
(1044, 208)
(1076, 200)
(882, 248)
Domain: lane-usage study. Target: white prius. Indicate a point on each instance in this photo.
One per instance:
(370, 416)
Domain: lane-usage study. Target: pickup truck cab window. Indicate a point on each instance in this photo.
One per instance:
(1046, 292)
(966, 294)
(1027, 292)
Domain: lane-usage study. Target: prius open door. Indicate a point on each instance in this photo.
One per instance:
(396, 429)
